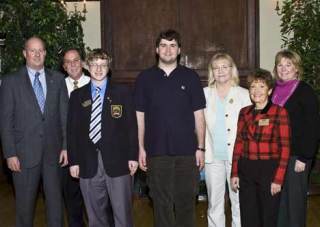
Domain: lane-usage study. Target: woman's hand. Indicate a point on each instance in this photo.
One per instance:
(235, 183)
(299, 166)
(275, 188)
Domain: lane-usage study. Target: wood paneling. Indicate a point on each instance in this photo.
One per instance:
(129, 30)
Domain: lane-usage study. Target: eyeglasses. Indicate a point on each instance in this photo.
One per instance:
(221, 68)
(96, 66)
(72, 62)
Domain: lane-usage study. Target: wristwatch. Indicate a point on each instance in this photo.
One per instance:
(201, 149)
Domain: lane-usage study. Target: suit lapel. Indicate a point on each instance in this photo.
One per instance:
(28, 89)
(107, 101)
(49, 83)
(86, 103)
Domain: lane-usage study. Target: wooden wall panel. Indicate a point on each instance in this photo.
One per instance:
(129, 30)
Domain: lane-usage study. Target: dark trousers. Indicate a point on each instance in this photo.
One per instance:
(258, 208)
(293, 205)
(26, 184)
(173, 183)
(72, 199)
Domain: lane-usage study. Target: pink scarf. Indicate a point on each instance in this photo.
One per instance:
(283, 91)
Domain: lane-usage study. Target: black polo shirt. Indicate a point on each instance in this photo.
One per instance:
(168, 103)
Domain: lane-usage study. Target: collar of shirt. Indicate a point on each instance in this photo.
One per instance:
(164, 74)
(103, 87)
(264, 110)
(71, 80)
(42, 78)
(81, 81)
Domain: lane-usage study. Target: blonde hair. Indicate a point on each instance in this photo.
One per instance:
(293, 57)
(234, 70)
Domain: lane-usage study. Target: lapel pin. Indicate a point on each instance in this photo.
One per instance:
(109, 99)
(86, 103)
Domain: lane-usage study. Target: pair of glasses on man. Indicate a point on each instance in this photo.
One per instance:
(96, 66)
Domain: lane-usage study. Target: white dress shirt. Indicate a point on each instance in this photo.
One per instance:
(83, 80)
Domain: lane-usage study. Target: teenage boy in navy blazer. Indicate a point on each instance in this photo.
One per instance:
(103, 116)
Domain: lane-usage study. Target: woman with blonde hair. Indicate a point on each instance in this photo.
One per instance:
(302, 104)
(224, 99)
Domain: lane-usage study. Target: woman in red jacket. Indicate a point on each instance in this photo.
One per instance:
(260, 154)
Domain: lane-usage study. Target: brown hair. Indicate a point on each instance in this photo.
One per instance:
(261, 75)
(98, 54)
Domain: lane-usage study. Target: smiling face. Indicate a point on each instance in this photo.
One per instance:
(98, 69)
(168, 51)
(222, 71)
(34, 53)
(286, 70)
(259, 93)
(72, 64)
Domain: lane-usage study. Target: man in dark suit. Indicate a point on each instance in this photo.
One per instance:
(34, 104)
(72, 64)
(103, 116)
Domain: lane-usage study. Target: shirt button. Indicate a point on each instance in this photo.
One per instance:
(226, 115)
(228, 129)
(229, 144)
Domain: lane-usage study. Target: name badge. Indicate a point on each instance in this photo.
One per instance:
(116, 111)
(86, 103)
(263, 122)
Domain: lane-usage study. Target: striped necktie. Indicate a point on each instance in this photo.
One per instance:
(95, 121)
(75, 85)
(38, 91)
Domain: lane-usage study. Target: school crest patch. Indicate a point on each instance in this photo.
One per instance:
(116, 111)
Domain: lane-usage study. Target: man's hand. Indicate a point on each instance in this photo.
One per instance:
(74, 171)
(299, 166)
(14, 164)
(63, 159)
(200, 159)
(235, 183)
(142, 159)
(133, 166)
(275, 188)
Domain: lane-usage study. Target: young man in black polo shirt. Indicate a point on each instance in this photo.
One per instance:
(169, 106)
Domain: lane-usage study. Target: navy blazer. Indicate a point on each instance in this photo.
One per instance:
(119, 142)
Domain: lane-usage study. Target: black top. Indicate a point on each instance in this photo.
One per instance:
(303, 109)
(169, 103)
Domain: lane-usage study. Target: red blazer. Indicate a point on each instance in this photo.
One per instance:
(263, 136)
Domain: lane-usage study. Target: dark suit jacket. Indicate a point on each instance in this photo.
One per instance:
(119, 139)
(25, 131)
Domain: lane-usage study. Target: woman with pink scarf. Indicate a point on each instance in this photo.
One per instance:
(302, 105)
